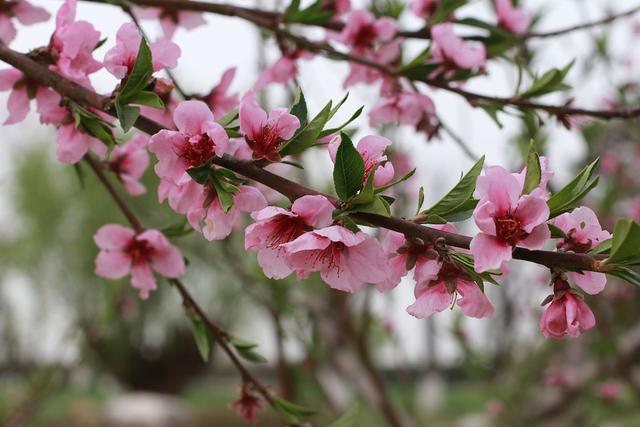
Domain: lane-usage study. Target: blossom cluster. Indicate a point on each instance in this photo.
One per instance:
(315, 233)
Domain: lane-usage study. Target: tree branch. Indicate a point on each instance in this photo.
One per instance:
(290, 189)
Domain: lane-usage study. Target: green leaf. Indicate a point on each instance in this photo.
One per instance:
(459, 199)
(420, 200)
(565, 199)
(348, 170)
(202, 337)
(246, 350)
(551, 81)
(307, 135)
(445, 10)
(533, 175)
(93, 125)
(343, 125)
(145, 97)
(127, 116)
(378, 206)
(179, 229)
(140, 75)
(626, 274)
(367, 193)
(556, 233)
(291, 412)
(228, 118)
(314, 14)
(403, 178)
(603, 247)
(625, 245)
(299, 108)
(201, 173)
(349, 418)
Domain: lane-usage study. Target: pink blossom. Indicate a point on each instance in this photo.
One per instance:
(363, 31)
(181, 197)
(21, 10)
(72, 44)
(283, 71)
(584, 233)
(170, 20)
(207, 216)
(73, 144)
(632, 208)
(453, 52)
(120, 59)
(424, 8)
(275, 226)
(385, 54)
(404, 108)
(512, 18)
(345, 260)
(247, 406)
(566, 315)
(22, 91)
(506, 218)
(451, 284)
(263, 133)
(129, 162)
(405, 255)
(218, 99)
(371, 149)
(610, 390)
(123, 251)
(196, 141)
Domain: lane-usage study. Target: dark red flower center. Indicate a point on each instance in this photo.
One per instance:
(365, 37)
(509, 229)
(330, 256)
(171, 15)
(267, 144)
(286, 230)
(6, 7)
(140, 251)
(197, 150)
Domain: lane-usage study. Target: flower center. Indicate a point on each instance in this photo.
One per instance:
(267, 144)
(330, 256)
(365, 37)
(509, 230)
(286, 229)
(140, 251)
(198, 149)
(571, 244)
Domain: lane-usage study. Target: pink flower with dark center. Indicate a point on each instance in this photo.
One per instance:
(129, 162)
(403, 108)
(506, 219)
(207, 216)
(120, 59)
(265, 134)
(345, 260)
(196, 141)
(24, 12)
(275, 226)
(453, 52)
(568, 315)
(512, 18)
(584, 233)
(424, 8)
(451, 284)
(71, 48)
(363, 32)
(170, 20)
(247, 406)
(610, 390)
(405, 255)
(283, 71)
(22, 91)
(123, 252)
(385, 54)
(371, 149)
(218, 99)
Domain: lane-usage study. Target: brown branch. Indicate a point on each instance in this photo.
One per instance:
(290, 189)
(606, 20)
